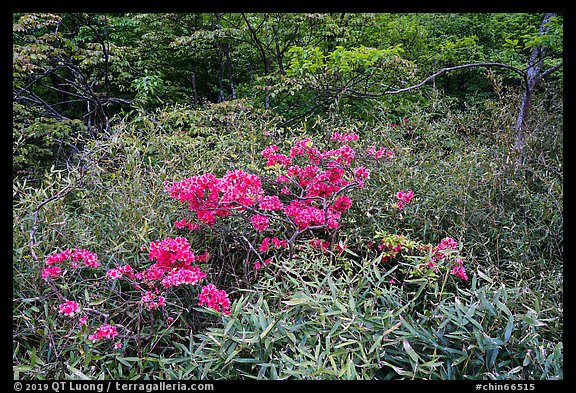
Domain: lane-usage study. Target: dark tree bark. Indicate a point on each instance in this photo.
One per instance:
(533, 76)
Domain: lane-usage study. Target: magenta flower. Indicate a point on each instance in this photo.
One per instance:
(51, 272)
(214, 298)
(69, 308)
(104, 331)
(260, 223)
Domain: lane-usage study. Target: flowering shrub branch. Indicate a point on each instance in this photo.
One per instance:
(313, 192)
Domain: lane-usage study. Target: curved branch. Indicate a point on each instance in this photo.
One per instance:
(438, 73)
(549, 71)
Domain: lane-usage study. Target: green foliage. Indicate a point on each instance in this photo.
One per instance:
(40, 142)
(318, 322)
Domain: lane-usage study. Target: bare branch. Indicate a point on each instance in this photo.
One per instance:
(436, 74)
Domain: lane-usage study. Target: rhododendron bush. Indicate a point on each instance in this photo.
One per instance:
(297, 206)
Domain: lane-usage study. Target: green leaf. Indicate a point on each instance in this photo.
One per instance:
(509, 328)
(78, 373)
(267, 330)
(296, 301)
(410, 351)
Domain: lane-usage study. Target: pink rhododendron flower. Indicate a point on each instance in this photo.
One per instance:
(258, 265)
(322, 245)
(271, 202)
(114, 274)
(186, 224)
(104, 331)
(260, 223)
(90, 259)
(403, 197)
(59, 257)
(69, 308)
(51, 272)
(152, 301)
(183, 276)
(460, 272)
(171, 253)
(214, 298)
(342, 203)
(275, 158)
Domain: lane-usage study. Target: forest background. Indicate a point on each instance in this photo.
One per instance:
(108, 109)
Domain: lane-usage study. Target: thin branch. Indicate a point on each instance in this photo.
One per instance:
(436, 74)
(549, 71)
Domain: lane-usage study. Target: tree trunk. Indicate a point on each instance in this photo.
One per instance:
(230, 76)
(534, 74)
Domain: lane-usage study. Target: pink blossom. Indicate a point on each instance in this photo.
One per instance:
(341, 204)
(104, 331)
(90, 259)
(460, 272)
(83, 320)
(271, 202)
(186, 224)
(126, 270)
(275, 158)
(260, 223)
(183, 276)
(69, 308)
(59, 257)
(214, 298)
(114, 274)
(361, 173)
(257, 265)
(448, 243)
(51, 272)
(378, 154)
(152, 301)
(265, 244)
(171, 253)
(279, 243)
(322, 245)
(405, 197)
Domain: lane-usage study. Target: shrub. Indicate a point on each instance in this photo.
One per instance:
(319, 321)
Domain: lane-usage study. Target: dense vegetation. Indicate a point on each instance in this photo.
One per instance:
(445, 262)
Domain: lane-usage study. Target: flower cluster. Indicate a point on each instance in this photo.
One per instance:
(120, 271)
(104, 331)
(183, 276)
(274, 158)
(260, 223)
(214, 298)
(88, 259)
(313, 184)
(265, 262)
(212, 198)
(403, 197)
(69, 308)
(173, 267)
(381, 152)
(459, 270)
(181, 224)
